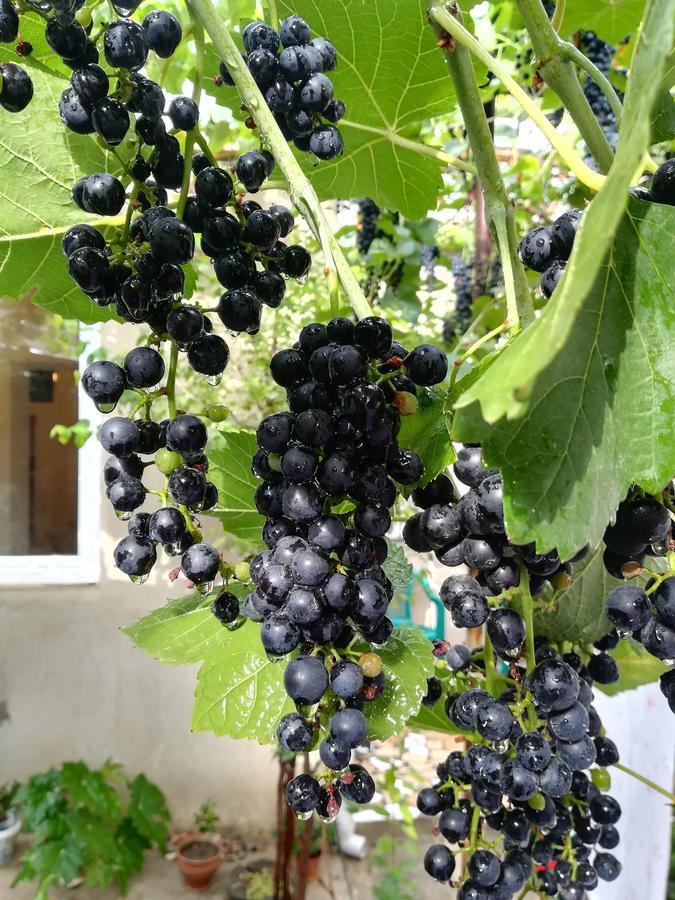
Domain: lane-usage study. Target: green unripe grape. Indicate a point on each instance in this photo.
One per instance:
(242, 571)
(371, 664)
(217, 413)
(83, 16)
(167, 460)
(275, 462)
(601, 779)
(537, 802)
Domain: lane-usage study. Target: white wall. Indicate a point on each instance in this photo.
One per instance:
(76, 688)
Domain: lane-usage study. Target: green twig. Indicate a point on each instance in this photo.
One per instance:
(300, 190)
(459, 362)
(561, 76)
(558, 15)
(204, 147)
(567, 153)
(171, 380)
(638, 777)
(489, 659)
(499, 212)
(191, 136)
(574, 55)
(528, 618)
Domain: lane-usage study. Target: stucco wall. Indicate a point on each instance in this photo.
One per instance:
(74, 687)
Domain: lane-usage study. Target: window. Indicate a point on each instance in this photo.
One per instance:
(49, 492)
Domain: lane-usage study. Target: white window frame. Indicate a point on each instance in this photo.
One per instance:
(84, 567)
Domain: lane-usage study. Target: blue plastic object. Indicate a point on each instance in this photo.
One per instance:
(400, 609)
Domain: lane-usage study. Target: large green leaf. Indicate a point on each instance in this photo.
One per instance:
(148, 811)
(240, 692)
(637, 667)
(390, 76)
(408, 663)
(183, 631)
(40, 160)
(578, 614)
(601, 415)
(426, 433)
(506, 389)
(612, 20)
(434, 719)
(230, 456)
(32, 265)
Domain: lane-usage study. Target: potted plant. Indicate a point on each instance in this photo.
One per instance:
(10, 824)
(200, 852)
(254, 881)
(88, 824)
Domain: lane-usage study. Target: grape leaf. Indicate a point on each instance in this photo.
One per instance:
(147, 810)
(611, 20)
(426, 433)
(506, 388)
(408, 662)
(230, 470)
(183, 631)
(601, 415)
(390, 76)
(239, 692)
(34, 217)
(397, 567)
(636, 665)
(578, 614)
(87, 788)
(433, 719)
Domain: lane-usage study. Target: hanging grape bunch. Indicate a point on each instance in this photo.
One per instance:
(331, 469)
(523, 778)
(290, 69)
(600, 53)
(546, 249)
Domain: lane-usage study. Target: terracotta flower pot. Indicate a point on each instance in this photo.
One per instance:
(198, 857)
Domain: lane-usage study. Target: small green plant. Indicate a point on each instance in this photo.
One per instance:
(206, 818)
(94, 824)
(7, 798)
(397, 860)
(259, 885)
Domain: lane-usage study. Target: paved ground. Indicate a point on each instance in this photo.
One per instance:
(160, 880)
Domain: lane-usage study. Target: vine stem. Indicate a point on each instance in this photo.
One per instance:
(300, 190)
(572, 160)
(638, 777)
(417, 147)
(171, 380)
(558, 15)
(528, 618)
(459, 362)
(499, 212)
(573, 54)
(562, 78)
(191, 136)
(489, 659)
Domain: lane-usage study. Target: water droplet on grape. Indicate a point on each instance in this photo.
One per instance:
(172, 549)
(123, 515)
(214, 380)
(105, 407)
(273, 658)
(204, 588)
(238, 622)
(303, 816)
(139, 579)
(303, 279)
(668, 662)
(660, 548)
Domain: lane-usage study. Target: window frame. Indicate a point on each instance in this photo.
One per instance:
(83, 567)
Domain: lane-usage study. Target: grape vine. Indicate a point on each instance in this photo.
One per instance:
(379, 419)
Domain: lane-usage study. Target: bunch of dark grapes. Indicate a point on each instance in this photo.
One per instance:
(643, 527)
(463, 285)
(367, 224)
(16, 86)
(331, 469)
(600, 53)
(547, 248)
(519, 800)
(470, 531)
(290, 69)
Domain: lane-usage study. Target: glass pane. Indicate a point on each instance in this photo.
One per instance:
(38, 389)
